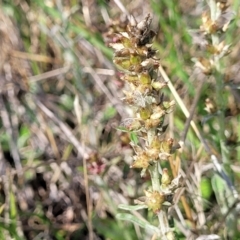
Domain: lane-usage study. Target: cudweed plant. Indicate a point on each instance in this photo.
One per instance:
(135, 58)
(215, 23)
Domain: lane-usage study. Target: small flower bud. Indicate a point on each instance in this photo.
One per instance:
(166, 179)
(153, 123)
(144, 113)
(168, 105)
(208, 26)
(144, 88)
(145, 78)
(135, 59)
(153, 153)
(158, 112)
(131, 79)
(156, 143)
(205, 65)
(166, 146)
(134, 125)
(122, 63)
(141, 161)
(158, 85)
(154, 200)
(127, 43)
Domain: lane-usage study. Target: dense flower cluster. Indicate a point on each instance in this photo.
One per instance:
(135, 58)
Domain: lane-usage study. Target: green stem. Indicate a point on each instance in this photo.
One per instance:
(156, 186)
(162, 218)
(155, 177)
(153, 170)
(162, 214)
(221, 117)
(215, 13)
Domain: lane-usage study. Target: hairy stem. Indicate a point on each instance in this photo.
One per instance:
(155, 177)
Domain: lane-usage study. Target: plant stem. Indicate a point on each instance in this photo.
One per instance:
(163, 224)
(162, 214)
(155, 179)
(135, 58)
(215, 13)
(153, 170)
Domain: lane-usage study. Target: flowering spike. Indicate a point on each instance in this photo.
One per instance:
(135, 57)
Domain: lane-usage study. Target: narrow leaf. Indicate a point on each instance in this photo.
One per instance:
(133, 137)
(13, 208)
(122, 129)
(139, 222)
(131, 207)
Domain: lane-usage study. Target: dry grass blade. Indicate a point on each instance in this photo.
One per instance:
(83, 151)
(13, 146)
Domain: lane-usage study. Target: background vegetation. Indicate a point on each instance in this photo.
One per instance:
(64, 166)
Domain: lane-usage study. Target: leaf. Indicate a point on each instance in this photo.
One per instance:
(134, 138)
(51, 11)
(12, 207)
(122, 129)
(110, 229)
(24, 135)
(109, 113)
(206, 188)
(142, 223)
(131, 207)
